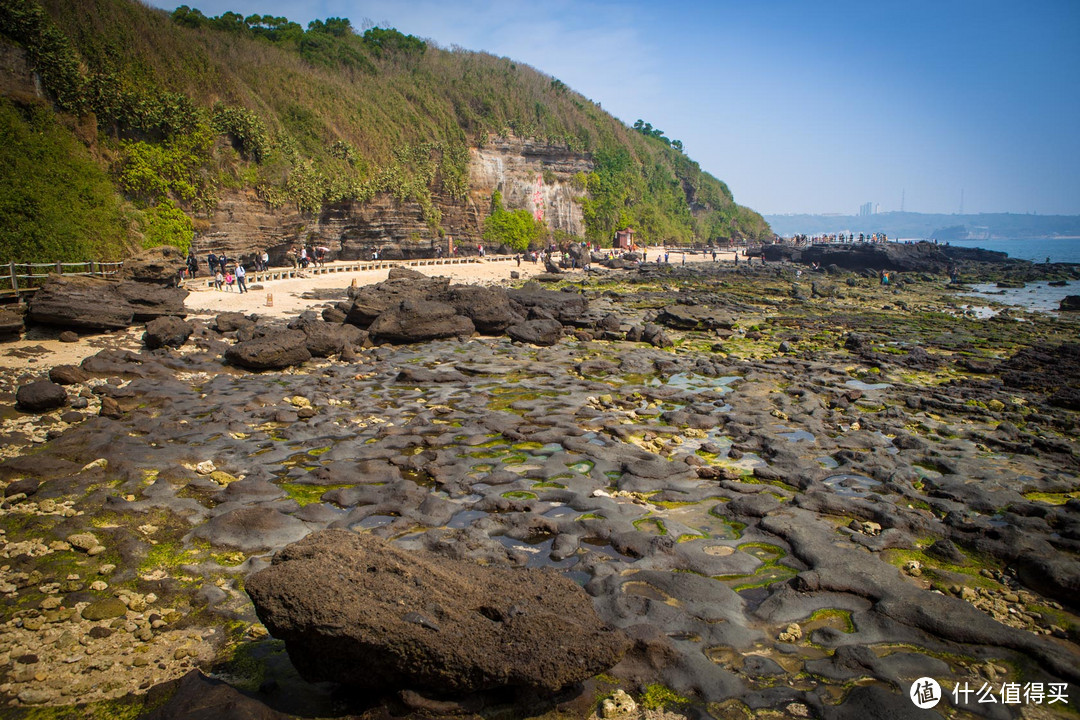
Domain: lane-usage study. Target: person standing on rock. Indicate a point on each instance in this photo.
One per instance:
(241, 278)
(211, 263)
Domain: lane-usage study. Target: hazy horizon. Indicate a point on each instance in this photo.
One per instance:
(799, 107)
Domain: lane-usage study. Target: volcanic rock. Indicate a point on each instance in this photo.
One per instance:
(272, 352)
(167, 331)
(419, 320)
(149, 301)
(537, 332)
(159, 265)
(488, 308)
(41, 396)
(85, 303)
(565, 307)
(11, 324)
(358, 611)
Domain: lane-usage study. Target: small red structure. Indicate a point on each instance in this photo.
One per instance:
(624, 239)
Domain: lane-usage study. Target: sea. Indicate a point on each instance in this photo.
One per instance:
(1064, 250)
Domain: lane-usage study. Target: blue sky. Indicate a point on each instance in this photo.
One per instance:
(813, 106)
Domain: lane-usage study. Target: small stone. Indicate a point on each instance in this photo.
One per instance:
(619, 704)
(99, 632)
(99, 585)
(33, 623)
(51, 603)
(83, 541)
(968, 594)
(99, 463)
(913, 568)
(104, 610)
(205, 467)
(222, 478)
(106, 569)
(791, 634)
(48, 505)
(35, 696)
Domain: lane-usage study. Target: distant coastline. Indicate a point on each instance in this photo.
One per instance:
(973, 227)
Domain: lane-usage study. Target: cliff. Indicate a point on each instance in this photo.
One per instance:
(254, 133)
(242, 223)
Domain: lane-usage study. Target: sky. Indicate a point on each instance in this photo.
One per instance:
(811, 106)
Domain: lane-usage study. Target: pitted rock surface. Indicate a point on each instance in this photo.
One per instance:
(353, 609)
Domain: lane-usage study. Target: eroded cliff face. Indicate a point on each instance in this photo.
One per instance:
(243, 224)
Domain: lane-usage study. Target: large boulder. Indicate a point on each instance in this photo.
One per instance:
(167, 331)
(275, 351)
(326, 338)
(488, 308)
(355, 610)
(149, 301)
(41, 396)
(159, 266)
(371, 301)
(538, 332)
(1070, 303)
(419, 321)
(565, 307)
(85, 303)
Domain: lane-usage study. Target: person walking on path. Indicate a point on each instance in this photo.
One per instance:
(219, 279)
(212, 264)
(241, 278)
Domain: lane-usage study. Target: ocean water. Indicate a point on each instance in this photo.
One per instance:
(1034, 249)
(1037, 296)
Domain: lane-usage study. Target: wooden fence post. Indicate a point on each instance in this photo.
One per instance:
(14, 280)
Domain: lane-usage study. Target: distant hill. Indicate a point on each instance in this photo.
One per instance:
(982, 226)
(157, 115)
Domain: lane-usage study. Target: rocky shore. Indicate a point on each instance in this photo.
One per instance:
(781, 494)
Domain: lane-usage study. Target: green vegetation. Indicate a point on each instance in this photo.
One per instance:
(658, 697)
(516, 229)
(57, 203)
(162, 112)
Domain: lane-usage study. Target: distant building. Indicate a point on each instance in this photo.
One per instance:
(866, 209)
(624, 239)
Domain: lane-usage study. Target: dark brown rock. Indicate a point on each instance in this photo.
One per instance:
(419, 321)
(68, 375)
(167, 331)
(358, 611)
(159, 265)
(537, 332)
(272, 352)
(488, 308)
(11, 324)
(197, 697)
(84, 303)
(565, 307)
(41, 396)
(149, 300)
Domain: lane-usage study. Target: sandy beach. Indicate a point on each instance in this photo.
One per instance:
(41, 348)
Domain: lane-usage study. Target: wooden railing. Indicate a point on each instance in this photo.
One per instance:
(346, 266)
(23, 279)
